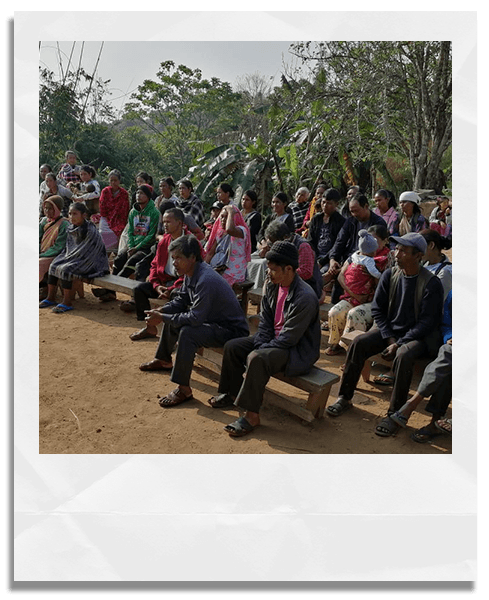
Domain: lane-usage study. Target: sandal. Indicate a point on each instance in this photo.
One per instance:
(332, 351)
(384, 379)
(339, 407)
(444, 425)
(127, 306)
(387, 427)
(62, 308)
(174, 398)
(239, 428)
(154, 365)
(45, 303)
(425, 434)
(399, 418)
(108, 297)
(142, 334)
(221, 401)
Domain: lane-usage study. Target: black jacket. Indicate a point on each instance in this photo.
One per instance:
(347, 241)
(301, 333)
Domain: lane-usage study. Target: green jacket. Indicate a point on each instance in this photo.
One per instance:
(144, 236)
(60, 242)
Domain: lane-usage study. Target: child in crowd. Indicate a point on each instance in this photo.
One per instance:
(215, 212)
(69, 171)
(358, 277)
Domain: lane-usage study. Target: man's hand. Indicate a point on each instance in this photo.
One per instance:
(160, 290)
(153, 317)
(390, 352)
(334, 267)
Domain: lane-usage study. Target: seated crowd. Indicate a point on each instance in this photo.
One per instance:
(383, 267)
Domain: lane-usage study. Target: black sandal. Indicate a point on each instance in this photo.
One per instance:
(387, 427)
(221, 401)
(339, 407)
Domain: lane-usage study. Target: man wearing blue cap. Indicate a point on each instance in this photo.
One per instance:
(407, 309)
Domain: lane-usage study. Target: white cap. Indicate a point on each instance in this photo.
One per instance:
(410, 197)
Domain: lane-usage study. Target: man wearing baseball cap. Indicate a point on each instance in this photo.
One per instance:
(288, 339)
(407, 309)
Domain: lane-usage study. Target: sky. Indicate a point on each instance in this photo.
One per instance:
(128, 64)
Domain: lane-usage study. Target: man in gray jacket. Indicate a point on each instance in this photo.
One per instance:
(288, 339)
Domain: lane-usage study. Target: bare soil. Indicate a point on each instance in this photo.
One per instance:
(94, 400)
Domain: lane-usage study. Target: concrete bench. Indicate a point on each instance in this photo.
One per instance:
(317, 383)
(348, 338)
(256, 295)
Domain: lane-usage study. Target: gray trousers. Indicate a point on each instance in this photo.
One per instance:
(437, 382)
(366, 345)
(189, 339)
(248, 388)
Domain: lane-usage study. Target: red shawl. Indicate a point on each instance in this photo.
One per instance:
(115, 208)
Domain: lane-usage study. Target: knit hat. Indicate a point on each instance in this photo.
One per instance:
(57, 200)
(147, 190)
(410, 197)
(415, 240)
(284, 253)
(367, 243)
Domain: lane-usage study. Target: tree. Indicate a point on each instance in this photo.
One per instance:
(187, 111)
(390, 97)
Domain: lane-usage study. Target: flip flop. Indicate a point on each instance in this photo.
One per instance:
(387, 427)
(142, 334)
(384, 379)
(62, 308)
(174, 398)
(400, 419)
(239, 428)
(46, 303)
(425, 434)
(221, 401)
(339, 407)
(444, 425)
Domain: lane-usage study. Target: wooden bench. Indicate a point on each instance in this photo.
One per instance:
(124, 285)
(317, 383)
(256, 295)
(348, 338)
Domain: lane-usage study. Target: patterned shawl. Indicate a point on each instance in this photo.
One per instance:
(115, 208)
(51, 228)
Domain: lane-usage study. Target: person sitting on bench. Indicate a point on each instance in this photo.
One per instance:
(288, 339)
(205, 313)
(407, 309)
(162, 281)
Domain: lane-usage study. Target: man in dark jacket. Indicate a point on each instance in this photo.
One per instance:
(347, 241)
(407, 309)
(288, 339)
(205, 313)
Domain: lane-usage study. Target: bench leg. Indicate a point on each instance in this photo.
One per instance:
(316, 403)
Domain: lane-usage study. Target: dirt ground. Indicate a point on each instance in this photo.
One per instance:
(93, 399)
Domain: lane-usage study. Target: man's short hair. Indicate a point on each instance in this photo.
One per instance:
(176, 212)
(277, 230)
(361, 199)
(188, 245)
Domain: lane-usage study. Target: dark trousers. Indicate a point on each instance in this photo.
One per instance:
(142, 293)
(437, 382)
(336, 292)
(190, 339)
(370, 343)
(260, 365)
(66, 285)
(125, 265)
(143, 266)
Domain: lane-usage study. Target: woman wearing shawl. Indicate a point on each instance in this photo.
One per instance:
(114, 210)
(52, 238)
(84, 256)
(229, 245)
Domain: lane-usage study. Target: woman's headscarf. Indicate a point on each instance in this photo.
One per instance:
(218, 230)
(51, 227)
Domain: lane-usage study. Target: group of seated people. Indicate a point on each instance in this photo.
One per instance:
(385, 270)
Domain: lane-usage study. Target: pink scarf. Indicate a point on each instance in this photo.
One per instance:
(218, 231)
